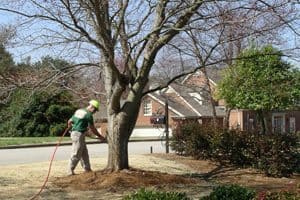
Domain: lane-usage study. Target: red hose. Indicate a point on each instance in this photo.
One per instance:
(50, 165)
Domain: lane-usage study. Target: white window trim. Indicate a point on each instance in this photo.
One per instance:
(294, 125)
(283, 121)
(197, 97)
(150, 103)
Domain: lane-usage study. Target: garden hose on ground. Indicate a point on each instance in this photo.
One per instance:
(50, 165)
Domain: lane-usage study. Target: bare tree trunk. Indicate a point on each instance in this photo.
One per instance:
(117, 144)
(226, 118)
(120, 127)
(262, 120)
(211, 99)
(266, 118)
(121, 121)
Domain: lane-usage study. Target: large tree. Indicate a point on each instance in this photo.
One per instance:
(262, 81)
(135, 31)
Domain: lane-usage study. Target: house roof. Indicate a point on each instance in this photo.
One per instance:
(191, 101)
(174, 105)
(202, 105)
(213, 73)
(181, 101)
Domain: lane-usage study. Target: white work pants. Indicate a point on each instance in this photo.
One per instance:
(79, 152)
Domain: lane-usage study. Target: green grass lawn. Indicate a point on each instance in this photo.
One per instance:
(7, 141)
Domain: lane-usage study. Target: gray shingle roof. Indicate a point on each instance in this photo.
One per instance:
(174, 104)
(203, 109)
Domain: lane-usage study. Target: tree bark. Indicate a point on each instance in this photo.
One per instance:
(120, 126)
(117, 144)
(226, 118)
(210, 97)
(261, 118)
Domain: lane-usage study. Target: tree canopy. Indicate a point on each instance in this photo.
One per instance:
(260, 80)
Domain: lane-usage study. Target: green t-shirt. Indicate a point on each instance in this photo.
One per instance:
(81, 119)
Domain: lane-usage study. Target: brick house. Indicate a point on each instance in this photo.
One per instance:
(279, 121)
(189, 100)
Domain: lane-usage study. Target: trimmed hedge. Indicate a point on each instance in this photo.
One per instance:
(282, 195)
(276, 154)
(143, 194)
(230, 192)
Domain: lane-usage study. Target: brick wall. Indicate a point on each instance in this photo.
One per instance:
(157, 108)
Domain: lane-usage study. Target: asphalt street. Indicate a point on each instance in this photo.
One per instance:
(41, 154)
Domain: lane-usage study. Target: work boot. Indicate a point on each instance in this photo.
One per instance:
(87, 170)
(71, 172)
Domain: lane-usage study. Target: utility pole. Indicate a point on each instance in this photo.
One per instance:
(167, 125)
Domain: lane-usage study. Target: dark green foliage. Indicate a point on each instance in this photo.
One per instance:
(9, 113)
(143, 194)
(57, 129)
(44, 114)
(278, 154)
(230, 192)
(275, 154)
(203, 142)
(56, 112)
(260, 80)
(282, 195)
(6, 60)
(49, 62)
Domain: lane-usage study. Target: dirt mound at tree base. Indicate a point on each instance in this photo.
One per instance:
(123, 179)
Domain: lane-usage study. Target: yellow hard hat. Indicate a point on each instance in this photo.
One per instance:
(95, 104)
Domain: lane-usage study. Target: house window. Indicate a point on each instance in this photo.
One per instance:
(292, 125)
(197, 97)
(251, 124)
(278, 123)
(147, 108)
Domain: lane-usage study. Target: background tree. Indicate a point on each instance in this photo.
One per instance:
(29, 110)
(228, 34)
(262, 81)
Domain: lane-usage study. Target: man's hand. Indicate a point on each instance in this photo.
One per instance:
(94, 130)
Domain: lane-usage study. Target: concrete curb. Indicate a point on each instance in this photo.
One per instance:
(70, 143)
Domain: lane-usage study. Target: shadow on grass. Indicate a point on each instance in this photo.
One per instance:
(220, 169)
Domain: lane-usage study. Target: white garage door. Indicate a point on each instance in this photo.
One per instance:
(150, 132)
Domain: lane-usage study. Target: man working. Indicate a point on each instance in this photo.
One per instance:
(80, 122)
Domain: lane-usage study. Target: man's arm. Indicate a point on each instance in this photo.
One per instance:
(69, 124)
(95, 131)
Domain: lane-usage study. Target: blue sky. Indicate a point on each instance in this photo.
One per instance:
(24, 51)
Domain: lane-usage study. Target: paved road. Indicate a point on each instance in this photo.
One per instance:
(40, 154)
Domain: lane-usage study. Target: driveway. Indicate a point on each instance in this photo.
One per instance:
(40, 154)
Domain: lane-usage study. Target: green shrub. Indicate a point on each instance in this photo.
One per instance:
(282, 195)
(230, 192)
(194, 140)
(42, 115)
(143, 194)
(179, 138)
(276, 154)
(57, 129)
(56, 112)
(231, 145)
